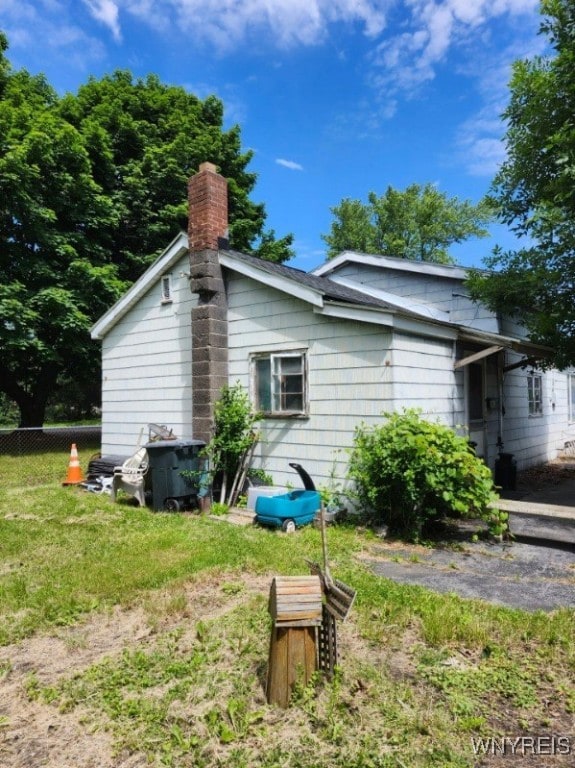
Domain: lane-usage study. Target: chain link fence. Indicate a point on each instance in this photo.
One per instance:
(39, 456)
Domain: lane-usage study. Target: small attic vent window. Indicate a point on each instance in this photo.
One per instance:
(166, 283)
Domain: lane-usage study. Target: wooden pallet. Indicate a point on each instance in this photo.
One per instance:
(327, 645)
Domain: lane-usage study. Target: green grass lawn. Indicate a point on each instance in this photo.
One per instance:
(421, 675)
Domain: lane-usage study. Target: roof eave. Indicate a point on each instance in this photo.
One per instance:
(165, 260)
(521, 346)
(391, 317)
(451, 271)
(279, 282)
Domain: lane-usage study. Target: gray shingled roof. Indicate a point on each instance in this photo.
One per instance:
(329, 288)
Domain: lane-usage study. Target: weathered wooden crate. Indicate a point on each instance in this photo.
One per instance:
(295, 605)
(296, 601)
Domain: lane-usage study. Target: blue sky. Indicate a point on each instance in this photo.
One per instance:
(336, 98)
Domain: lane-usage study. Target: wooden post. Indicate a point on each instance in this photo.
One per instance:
(296, 607)
(292, 659)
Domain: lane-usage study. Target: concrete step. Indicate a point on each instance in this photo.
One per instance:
(552, 522)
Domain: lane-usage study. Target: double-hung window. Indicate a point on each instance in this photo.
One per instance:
(535, 394)
(280, 383)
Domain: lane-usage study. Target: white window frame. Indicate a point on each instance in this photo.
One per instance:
(166, 289)
(277, 393)
(535, 394)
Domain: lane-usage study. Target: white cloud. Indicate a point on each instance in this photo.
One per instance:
(228, 23)
(470, 38)
(293, 166)
(152, 12)
(106, 11)
(432, 30)
(47, 30)
(426, 35)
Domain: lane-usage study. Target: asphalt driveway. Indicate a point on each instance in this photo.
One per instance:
(532, 576)
(536, 571)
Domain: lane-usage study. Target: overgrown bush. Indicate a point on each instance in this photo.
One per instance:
(408, 471)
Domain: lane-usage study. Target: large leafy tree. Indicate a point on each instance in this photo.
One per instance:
(535, 192)
(418, 223)
(92, 186)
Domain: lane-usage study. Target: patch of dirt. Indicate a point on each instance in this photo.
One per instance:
(543, 476)
(36, 735)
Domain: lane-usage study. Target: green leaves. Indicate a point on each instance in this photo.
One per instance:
(417, 223)
(93, 186)
(534, 192)
(234, 434)
(408, 471)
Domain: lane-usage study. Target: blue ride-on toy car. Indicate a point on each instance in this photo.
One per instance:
(289, 511)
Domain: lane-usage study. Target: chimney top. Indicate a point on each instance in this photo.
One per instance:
(207, 209)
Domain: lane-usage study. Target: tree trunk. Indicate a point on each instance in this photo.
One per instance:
(32, 412)
(31, 404)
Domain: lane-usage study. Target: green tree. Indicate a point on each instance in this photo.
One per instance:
(534, 192)
(419, 223)
(93, 186)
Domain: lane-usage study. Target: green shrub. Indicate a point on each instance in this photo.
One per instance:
(234, 436)
(408, 471)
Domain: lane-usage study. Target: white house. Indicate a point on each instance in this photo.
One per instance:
(319, 352)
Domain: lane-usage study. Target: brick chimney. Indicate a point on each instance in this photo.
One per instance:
(207, 232)
(208, 209)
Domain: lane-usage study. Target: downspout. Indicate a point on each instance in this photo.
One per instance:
(454, 386)
(463, 426)
(501, 409)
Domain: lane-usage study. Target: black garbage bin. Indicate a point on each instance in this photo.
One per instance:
(506, 472)
(176, 473)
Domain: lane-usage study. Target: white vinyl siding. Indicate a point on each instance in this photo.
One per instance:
(147, 368)
(356, 372)
(423, 376)
(535, 440)
(347, 377)
(445, 293)
(571, 396)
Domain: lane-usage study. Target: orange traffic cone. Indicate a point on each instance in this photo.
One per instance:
(75, 474)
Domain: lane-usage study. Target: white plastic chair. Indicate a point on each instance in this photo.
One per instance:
(131, 477)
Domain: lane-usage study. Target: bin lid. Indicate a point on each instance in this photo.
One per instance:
(173, 444)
